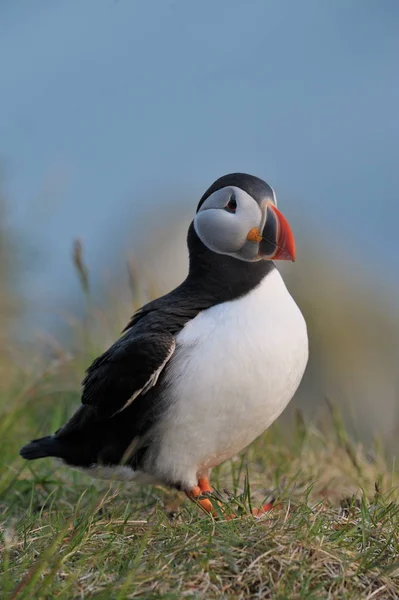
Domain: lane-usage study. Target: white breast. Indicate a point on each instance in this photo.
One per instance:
(235, 368)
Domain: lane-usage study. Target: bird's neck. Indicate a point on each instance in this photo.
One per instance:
(224, 276)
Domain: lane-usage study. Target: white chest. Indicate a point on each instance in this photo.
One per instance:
(235, 368)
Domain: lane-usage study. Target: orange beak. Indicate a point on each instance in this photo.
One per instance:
(276, 242)
(285, 243)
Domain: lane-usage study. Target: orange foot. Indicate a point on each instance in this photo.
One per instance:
(259, 512)
(196, 492)
(204, 487)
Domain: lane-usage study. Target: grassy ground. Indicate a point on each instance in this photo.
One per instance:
(333, 534)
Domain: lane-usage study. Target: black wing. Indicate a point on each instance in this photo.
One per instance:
(130, 367)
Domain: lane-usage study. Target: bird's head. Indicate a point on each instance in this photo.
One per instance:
(238, 216)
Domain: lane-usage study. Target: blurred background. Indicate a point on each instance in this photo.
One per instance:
(117, 115)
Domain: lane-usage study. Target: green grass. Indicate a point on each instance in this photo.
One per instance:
(334, 532)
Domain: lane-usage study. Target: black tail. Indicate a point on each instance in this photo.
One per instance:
(46, 446)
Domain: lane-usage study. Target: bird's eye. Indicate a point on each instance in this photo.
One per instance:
(232, 205)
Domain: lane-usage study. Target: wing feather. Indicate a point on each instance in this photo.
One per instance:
(129, 368)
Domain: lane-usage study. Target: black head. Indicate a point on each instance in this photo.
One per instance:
(238, 216)
(258, 189)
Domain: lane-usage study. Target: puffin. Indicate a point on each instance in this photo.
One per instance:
(201, 372)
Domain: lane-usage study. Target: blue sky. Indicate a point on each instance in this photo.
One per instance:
(107, 107)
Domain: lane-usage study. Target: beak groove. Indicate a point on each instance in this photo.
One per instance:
(280, 235)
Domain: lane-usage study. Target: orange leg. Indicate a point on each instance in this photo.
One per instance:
(204, 487)
(258, 512)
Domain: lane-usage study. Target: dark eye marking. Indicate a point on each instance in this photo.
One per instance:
(232, 205)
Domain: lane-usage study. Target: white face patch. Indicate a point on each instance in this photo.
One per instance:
(225, 231)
